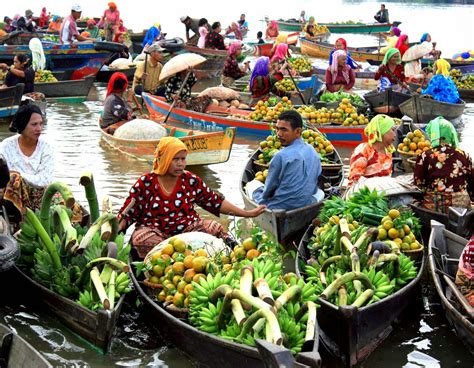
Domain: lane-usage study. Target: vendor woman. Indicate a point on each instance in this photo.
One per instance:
(374, 158)
(165, 199)
(339, 75)
(263, 78)
(444, 173)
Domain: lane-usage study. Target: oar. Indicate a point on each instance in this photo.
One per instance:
(177, 96)
(143, 79)
(296, 86)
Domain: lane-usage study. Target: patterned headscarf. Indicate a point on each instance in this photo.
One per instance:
(167, 148)
(396, 31)
(378, 126)
(441, 128)
(424, 37)
(280, 52)
(343, 41)
(389, 54)
(111, 88)
(401, 40)
(442, 67)
(334, 67)
(260, 69)
(234, 47)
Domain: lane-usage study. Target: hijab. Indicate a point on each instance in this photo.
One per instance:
(280, 52)
(389, 54)
(334, 67)
(112, 87)
(424, 37)
(441, 128)
(396, 31)
(260, 69)
(234, 47)
(167, 148)
(274, 24)
(442, 67)
(343, 41)
(378, 126)
(401, 40)
(235, 28)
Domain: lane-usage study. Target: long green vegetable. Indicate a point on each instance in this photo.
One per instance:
(68, 229)
(87, 180)
(51, 190)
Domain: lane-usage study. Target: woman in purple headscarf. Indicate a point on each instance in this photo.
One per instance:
(263, 79)
(339, 74)
(391, 39)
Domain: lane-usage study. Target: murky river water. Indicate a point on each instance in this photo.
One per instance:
(424, 337)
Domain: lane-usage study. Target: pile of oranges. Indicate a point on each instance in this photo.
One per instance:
(414, 143)
(264, 112)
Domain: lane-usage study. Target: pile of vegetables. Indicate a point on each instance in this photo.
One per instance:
(339, 96)
(85, 264)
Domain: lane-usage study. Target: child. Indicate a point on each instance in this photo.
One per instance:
(260, 37)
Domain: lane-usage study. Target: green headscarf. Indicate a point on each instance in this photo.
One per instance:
(378, 126)
(389, 54)
(441, 128)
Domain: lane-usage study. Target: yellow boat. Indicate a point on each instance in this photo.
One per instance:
(204, 148)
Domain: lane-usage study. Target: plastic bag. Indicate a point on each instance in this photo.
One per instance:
(141, 129)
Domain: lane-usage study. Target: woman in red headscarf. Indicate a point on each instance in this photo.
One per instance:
(110, 21)
(115, 105)
(341, 44)
(272, 30)
(43, 19)
(402, 44)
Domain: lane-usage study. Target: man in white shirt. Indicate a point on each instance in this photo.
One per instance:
(68, 32)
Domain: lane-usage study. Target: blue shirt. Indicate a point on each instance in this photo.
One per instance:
(292, 178)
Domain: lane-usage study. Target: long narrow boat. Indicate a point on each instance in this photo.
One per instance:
(16, 352)
(321, 49)
(467, 66)
(348, 136)
(294, 25)
(10, 98)
(285, 225)
(422, 109)
(205, 148)
(350, 333)
(85, 59)
(66, 91)
(105, 75)
(95, 327)
(210, 350)
(386, 102)
(444, 250)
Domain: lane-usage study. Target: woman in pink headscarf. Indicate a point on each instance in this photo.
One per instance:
(234, 28)
(339, 75)
(402, 44)
(272, 30)
(231, 70)
(281, 52)
(43, 19)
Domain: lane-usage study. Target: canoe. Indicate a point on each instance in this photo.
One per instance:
(349, 136)
(17, 352)
(466, 94)
(444, 250)
(422, 109)
(105, 75)
(95, 327)
(10, 98)
(386, 102)
(286, 225)
(352, 334)
(458, 220)
(209, 350)
(359, 27)
(465, 66)
(204, 148)
(260, 49)
(85, 59)
(66, 91)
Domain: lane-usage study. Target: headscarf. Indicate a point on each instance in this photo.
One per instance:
(150, 36)
(90, 22)
(23, 116)
(260, 69)
(167, 148)
(378, 126)
(333, 68)
(56, 18)
(396, 31)
(274, 24)
(281, 38)
(442, 67)
(157, 25)
(112, 5)
(389, 54)
(43, 12)
(343, 41)
(236, 30)
(117, 35)
(114, 78)
(234, 47)
(311, 18)
(401, 40)
(280, 52)
(441, 128)
(424, 37)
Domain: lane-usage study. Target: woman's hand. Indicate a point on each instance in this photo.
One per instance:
(256, 211)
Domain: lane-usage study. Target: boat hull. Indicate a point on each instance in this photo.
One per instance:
(322, 49)
(105, 75)
(212, 67)
(95, 327)
(466, 94)
(68, 91)
(386, 102)
(358, 28)
(10, 99)
(203, 149)
(423, 110)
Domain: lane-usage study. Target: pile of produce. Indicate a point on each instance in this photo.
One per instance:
(285, 85)
(318, 29)
(44, 76)
(348, 22)
(345, 113)
(261, 176)
(414, 143)
(354, 264)
(85, 264)
(264, 111)
(462, 81)
(223, 97)
(339, 96)
(300, 64)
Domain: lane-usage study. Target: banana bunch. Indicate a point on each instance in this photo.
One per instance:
(86, 299)
(28, 242)
(408, 271)
(122, 284)
(44, 76)
(207, 320)
(383, 286)
(293, 332)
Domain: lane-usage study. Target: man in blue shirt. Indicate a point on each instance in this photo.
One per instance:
(292, 180)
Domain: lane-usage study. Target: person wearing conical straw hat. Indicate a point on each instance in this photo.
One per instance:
(164, 201)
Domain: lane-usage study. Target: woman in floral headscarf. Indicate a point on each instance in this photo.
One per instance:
(444, 173)
(232, 71)
(374, 158)
(339, 74)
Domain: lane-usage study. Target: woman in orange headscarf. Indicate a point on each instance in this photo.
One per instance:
(110, 21)
(115, 105)
(164, 199)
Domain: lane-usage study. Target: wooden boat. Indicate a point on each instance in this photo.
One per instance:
(95, 327)
(294, 25)
(386, 102)
(10, 98)
(260, 49)
(66, 91)
(16, 352)
(422, 109)
(205, 148)
(444, 250)
(466, 66)
(352, 334)
(286, 225)
(85, 59)
(212, 351)
(466, 94)
(214, 64)
(458, 220)
(104, 75)
(349, 136)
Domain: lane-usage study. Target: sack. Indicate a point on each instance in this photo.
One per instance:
(141, 129)
(220, 93)
(120, 63)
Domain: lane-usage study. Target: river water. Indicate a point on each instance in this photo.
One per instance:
(423, 338)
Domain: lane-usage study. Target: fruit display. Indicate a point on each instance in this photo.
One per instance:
(300, 64)
(285, 85)
(264, 111)
(414, 143)
(261, 176)
(399, 226)
(44, 76)
(462, 81)
(339, 96)
(318, 29)
(345, 114)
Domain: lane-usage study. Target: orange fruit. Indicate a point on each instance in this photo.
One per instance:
(189, 275)
(393, 233)
(168, 249)
(413, 146)
(252, 253)
(178, 268)
(200, 253)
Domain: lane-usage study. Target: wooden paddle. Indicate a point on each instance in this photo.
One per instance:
(177, 96)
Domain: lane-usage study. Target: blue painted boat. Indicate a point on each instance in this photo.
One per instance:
(10, 98)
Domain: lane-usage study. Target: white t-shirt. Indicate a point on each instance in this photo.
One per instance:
(37, 169)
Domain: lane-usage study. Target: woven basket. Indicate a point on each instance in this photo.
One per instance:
(414, 254)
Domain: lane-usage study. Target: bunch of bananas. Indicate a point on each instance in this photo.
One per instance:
(44, 76)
